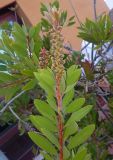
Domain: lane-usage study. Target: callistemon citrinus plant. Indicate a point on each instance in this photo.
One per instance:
(58, 135)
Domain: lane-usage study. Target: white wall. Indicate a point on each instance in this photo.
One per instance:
(109, 3)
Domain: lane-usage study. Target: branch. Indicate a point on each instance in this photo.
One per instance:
(15, 115)
(92, 55)
(85, 46)
(12, 100)
(69, 48)
(107, 117)
(26, 125)
(76, 15)
(94, 8)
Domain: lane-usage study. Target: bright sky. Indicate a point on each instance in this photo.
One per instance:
(109, 3)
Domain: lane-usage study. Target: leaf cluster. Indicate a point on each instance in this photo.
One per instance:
(97, 32)
(61, 16)
(73, 111)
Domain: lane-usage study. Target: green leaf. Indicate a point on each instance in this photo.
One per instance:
(19, 36)
(63, 17)
(73, 75)
(3, 68)
(88, 157)
(72, 18)
(37, 31)
(20, 50)
(8, 92)
(66, 153)
(18, 28)
(81, 137)
(46, 80)
(75, 105)
(70, 87)
(43, 8)
(71, 23)
(70, 130)
(35, 59)
(27, 72)
(46, 156)
(68, 98)
(56, 4)
(41, 122)
(5, 77)
(80, 154)
(7, 43)
(5, 57)
(29, 64)
(38, 43)
(32, 32)
(42, 142)
(78, 115)
(45, 109)
(45, 24)
(52, 102)
(51, 137)
(30, 85)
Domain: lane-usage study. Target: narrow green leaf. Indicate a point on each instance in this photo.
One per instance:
(75, 105)
(78, 115)
(70, 130)
(35, 59)
(20, 50)
(45, 109)
(56, 4)
(46, 156)
(27, 72)
(46, 80)
(5, 57)
(29, 64)
(32, 32)
(73, 75)
(66, 153)
(88, 157)
(68, 98)
(51, 137)
(71, 23)
(71, 18)
(42, 142)
(3, 68)
(9, 92)
(30, 85)
(5, 77)
(70, 87)
(41, 122)
(81, 137)
(52, 102)
(80, 154)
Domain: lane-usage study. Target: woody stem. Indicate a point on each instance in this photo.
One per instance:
(59, 118)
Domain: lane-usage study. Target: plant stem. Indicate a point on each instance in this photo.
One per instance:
(60, 123)
(94, 8)
(76, 15)
(10, 102)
